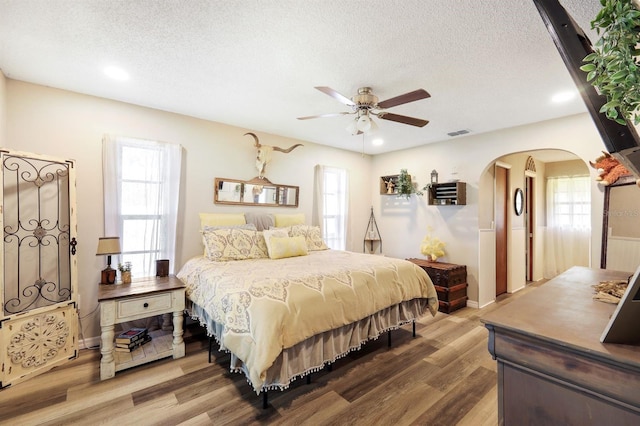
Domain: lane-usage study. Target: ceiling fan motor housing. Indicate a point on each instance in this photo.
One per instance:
(365, 98)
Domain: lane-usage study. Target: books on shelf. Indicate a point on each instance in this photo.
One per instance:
(130, 347)
(130, 336)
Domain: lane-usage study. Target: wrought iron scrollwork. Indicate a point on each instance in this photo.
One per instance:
(36, 217)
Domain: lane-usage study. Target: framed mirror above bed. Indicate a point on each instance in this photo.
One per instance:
(255, 192)
(621, 226)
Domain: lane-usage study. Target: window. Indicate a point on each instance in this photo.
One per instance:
(568, 233)
(141, 200)
(331, 205)
(569, 202)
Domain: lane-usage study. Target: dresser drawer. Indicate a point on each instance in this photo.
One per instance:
(159, 303)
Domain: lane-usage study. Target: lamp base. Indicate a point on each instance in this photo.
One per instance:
(108, 276)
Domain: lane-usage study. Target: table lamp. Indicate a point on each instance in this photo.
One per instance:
(108, 246)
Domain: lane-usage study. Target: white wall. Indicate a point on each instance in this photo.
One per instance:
(403, 224)
(64, 124)
(70, 125)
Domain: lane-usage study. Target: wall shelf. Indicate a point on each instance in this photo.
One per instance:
(372, 235)
(448, 194)
(384, 184)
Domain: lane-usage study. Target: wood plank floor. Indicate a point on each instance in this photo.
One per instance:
(444, 376)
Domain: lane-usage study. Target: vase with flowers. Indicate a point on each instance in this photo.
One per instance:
(125, 272)
(432, 247)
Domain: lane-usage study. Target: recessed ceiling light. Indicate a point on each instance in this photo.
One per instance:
(563, 97)
(116, 73)
(377, 142)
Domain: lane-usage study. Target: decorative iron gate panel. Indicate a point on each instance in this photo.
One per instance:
(38, 319)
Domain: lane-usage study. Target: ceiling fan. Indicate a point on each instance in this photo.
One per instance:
(365, 104)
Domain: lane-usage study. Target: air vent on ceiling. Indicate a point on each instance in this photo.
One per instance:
(459, 132)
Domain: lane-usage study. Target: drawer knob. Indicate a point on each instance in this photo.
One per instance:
(146, 305)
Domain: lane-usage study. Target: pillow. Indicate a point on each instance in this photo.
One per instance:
(234, 244)
(282, 247)
(221, 219)
(284, 220)
(268, 234)
(262, 221)
(311, 234)
(208, 228)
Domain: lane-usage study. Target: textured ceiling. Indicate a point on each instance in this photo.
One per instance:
(488, 64)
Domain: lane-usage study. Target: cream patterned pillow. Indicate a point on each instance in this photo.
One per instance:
(311, 234)
(271, 233)
(282, 247)
(234, 244)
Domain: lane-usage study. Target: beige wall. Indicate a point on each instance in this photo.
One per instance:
(568, 168)
(70, 125)
(403, 224)
(64, 124)
(3, 108)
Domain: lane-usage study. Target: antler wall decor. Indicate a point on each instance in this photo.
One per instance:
(264, 154)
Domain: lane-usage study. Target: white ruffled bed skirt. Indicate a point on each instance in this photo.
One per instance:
(314, 353)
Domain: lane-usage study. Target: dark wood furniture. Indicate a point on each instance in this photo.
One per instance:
(447, 194)
(552, 368)
(142, 298)
(450, 281)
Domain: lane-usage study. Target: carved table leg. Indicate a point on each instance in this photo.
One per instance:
(108, 362)
(178, 342)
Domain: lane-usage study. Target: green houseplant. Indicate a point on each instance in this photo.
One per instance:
(613, 66)
(125, 272)
(405, 186)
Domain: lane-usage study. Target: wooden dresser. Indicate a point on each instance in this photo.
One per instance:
(552, 368)
(450, 281)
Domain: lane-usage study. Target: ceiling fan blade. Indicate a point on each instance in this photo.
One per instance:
(341, 98)
(403, 119)
(332, 114)
(416, 95)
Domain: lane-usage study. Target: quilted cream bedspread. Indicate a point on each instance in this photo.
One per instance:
(267, 305)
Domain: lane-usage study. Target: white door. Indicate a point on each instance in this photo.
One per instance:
(38, 279)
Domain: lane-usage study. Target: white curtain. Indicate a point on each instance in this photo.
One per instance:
(331, 205)
(568, 233)
(156, 178)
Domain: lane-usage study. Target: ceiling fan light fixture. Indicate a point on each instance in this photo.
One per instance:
(373, 128)
(352, 128)
(364, 123)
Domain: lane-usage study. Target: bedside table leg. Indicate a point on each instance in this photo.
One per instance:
(178, 342)
(107, 362)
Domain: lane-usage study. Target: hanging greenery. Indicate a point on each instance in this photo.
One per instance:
(405, 186)
(613, 66)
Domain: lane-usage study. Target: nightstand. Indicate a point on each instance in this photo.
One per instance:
(142, 298)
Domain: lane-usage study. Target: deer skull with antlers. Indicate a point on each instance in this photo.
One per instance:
(264, 154)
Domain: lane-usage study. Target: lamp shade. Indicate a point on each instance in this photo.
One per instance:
(364, 123)
(353, 128)
(108, 245)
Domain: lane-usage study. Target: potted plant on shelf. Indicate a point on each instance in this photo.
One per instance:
(125, 272)
(613, 66)
(404, 186)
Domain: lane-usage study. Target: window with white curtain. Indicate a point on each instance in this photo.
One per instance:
(142, 181)
(331, 205)
(570, 201)
(568, 232)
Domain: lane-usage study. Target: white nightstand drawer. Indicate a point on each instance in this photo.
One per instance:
(144, 305)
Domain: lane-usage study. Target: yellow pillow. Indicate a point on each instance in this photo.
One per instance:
(271, 233)
(221, 219)
(284, 220)
(282, 247)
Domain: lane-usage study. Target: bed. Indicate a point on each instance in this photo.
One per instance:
(284, 305)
